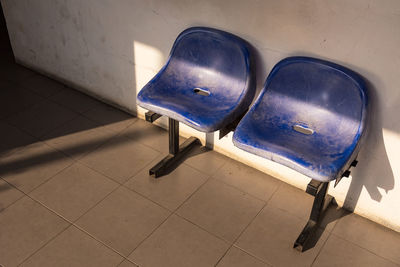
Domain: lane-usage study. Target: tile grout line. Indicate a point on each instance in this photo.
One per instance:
(131, 116)
(174, 211)
(114, 180)
(28, 76)
(11, 185)
(72, 223)
(151, 163)
(14, 83)
(51, 177)
(201, 227)
(65, 219)
(82, 155)
(74, 91)
(323, 245)
(35, 138)
(104, 244)
(34, 188)
(51, 239)
(252, 255)
(241, 190)
(171, 213)
(150, 234)
(245, 228)
(49, 131)
(117, 187)
(363, 248)
(32, 75)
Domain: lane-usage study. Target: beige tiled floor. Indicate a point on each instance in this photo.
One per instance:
(75, 191)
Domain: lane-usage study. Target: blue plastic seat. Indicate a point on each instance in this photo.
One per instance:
(310, 116)
(206, 83)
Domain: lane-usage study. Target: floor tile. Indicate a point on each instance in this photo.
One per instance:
(120, 158)
(170, 190)
(110, 118)
(77, 137)
(15, 99)
(25, 227)
(150, 135)
(221, 209)
(8, 195)
(42, 118)
(179, 243)
(271, 235)
(127, 263)
(42, 85)
(123, 220)
(74, 248)
(374, 237)
(299, 203)
(338, 252)
(13, 139)
(293, 200)
(75, 100)
(74, 191)
(248, 179)
(238, 258)
(31, 166)
(15, 73)
(205, 160)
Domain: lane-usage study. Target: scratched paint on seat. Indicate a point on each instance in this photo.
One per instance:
(206, 83)
(310, 116)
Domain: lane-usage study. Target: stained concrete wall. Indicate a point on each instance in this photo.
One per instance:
(110, 49)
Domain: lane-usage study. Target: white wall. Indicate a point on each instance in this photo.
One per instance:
(112, 48)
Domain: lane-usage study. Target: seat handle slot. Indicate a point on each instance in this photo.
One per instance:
(201, 91)
(303, 129)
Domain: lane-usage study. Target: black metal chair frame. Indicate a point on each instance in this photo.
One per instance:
(321, 203)
(176, 151)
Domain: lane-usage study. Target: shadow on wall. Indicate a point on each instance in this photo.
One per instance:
(373, 170)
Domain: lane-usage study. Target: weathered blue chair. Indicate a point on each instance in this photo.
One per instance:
(311, 116)
(207, 83)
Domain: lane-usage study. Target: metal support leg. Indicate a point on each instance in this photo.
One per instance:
(176, 152)
(321, 203)
(173, 135)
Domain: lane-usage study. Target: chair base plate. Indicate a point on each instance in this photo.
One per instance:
(171, 160)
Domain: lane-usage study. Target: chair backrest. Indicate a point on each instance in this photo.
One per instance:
(319, 98)
(214, 61)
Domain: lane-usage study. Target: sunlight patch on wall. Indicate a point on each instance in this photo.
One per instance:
(148, 60)
(392, 145)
